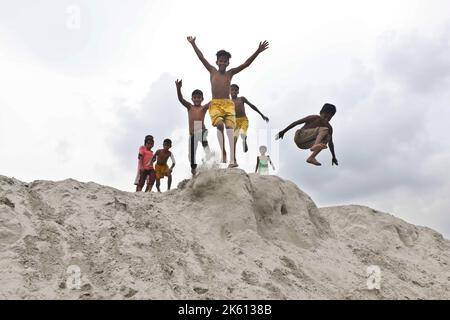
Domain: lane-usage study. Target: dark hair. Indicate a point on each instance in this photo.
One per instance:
(148, 137)
(197, 92)
(223, 53)
(235, 85)
(167, 141)
(329, 109)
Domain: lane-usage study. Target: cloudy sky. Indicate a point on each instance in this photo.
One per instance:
(82, 82)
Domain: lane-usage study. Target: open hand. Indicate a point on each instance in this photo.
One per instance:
(262, 46)
(265, 118)
(179, 83)
(279, 135)
(334, 161)
(191, 39)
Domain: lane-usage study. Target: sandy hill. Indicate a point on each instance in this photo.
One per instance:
(225, 234)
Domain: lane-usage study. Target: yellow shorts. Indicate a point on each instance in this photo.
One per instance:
(241, 126)
(222, 110)
(161, 171)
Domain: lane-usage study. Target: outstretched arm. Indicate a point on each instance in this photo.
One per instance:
(262, 46)
(255, 108)
(179, 83)
(292, 125)
(207, 65)
(331, 145)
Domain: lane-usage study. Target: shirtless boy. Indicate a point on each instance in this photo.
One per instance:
(221, 109)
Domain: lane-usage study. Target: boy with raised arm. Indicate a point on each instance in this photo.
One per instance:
(315, 134)
(196, 117)
(241, 118)
(221, 109)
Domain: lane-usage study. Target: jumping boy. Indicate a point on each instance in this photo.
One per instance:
(315, 134)
(241, 118)
(145, 164)
(162, 169)
(221, 108)
(196, 117)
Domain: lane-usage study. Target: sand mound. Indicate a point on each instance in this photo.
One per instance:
(223, 235)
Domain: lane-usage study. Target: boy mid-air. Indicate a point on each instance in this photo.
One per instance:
(161, 168)
(221, 108)
(241, 118)
(315, 134)
(196, 117)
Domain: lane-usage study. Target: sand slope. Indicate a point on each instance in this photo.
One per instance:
(225, 234)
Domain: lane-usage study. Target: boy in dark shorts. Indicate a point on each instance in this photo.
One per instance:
(145, 165)
(161, 168)
(315, 134)
(197, 130)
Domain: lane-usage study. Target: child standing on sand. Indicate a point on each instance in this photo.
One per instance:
(197, 130)
(221, 107)
(315, 134)
(162, 169)
(145, 165)
(262, 161)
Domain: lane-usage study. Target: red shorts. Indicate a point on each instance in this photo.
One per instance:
(143, 175)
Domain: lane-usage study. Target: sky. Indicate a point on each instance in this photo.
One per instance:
(82, 82)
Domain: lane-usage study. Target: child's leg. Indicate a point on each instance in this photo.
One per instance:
(230, 134)
(169, 181)
(312, 158)
(221, 138)
(244, 141)
(150, 181)
(158, 183)
(234, 147)
(142, 179)
(205, 144)
(320, 139)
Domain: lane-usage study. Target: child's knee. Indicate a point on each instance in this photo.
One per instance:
(220, 126)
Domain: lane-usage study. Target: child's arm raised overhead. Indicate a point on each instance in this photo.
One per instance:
(262, 46)
(293, 124)
(207, 65)
(179, 83)
(255, 108)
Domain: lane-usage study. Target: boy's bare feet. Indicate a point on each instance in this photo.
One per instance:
(233, 165)
(193, 171)
(313, 161)
(317, 147)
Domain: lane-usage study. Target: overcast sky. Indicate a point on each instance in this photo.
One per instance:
(82, 83)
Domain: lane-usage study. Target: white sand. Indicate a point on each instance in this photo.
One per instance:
(224, 235)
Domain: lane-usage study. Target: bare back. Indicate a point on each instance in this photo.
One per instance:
(220, 84)
(315, 121)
